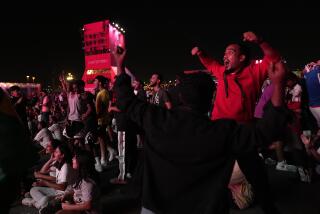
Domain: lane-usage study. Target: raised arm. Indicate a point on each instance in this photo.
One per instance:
(269, 53)
(46, 167)
(63, 84)
(131, 75)
(212, 65)
(119, 56)
(277, 73)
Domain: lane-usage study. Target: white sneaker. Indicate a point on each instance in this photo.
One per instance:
(103, 163)
(283, 166)
(28, 202)
(98, 167)
(128, 175)
(43, 202)
(27, 195)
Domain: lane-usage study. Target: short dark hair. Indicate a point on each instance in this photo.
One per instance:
(244, 49)
(55, 143)
(196, 91)
(65, 150)
(291, 76)
(101, 79)
(14, 88)
(139, 81)
(160, 77)
(80, 83)
(86, 166)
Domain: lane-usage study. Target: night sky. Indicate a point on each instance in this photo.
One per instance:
(42, 44)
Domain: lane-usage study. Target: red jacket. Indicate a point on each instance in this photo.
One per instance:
(237, 99)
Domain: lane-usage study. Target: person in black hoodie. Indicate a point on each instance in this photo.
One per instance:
(188, 158)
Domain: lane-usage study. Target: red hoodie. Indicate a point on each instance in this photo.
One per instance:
(236, 99)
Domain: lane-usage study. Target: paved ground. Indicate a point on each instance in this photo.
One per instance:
(291, 196)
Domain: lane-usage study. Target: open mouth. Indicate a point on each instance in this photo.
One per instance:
(226, 63)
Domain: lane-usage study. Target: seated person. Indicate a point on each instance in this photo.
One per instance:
(44, 136)
(83, 195)
(48, 187)
(55, 128)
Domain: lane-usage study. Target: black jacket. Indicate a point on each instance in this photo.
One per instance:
(189, 158)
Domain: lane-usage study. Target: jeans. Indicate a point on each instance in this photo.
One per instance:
(42, 195)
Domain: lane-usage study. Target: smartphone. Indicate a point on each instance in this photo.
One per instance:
(119, 50)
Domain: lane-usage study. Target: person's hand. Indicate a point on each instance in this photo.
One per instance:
(113, 108)
(36, 174)
(277, 72)
(251, 37)
(305, 140)
(64, 205)
(61, 78)
(109, 109)
(119, 57)
(39, 183)
(195, 51)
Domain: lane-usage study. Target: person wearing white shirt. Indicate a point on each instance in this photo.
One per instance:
(44, 136)
(55, 129)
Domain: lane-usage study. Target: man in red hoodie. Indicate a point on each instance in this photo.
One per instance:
(239, 85)
(239, 79)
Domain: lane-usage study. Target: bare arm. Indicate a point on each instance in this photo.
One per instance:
(210, 63)
(277, 72)
(77, 207)
(54, 185)
(46, 167)
(63, 84)
(113, 109)
(130, 74)
(119, 58)
(98, 106)
(44, 177)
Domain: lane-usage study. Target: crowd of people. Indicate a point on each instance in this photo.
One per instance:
(205, 145)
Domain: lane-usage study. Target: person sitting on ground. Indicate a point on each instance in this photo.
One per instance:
(48, 187)
(55, 128)
(83, 195)
(44, 136)
(44, 166)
